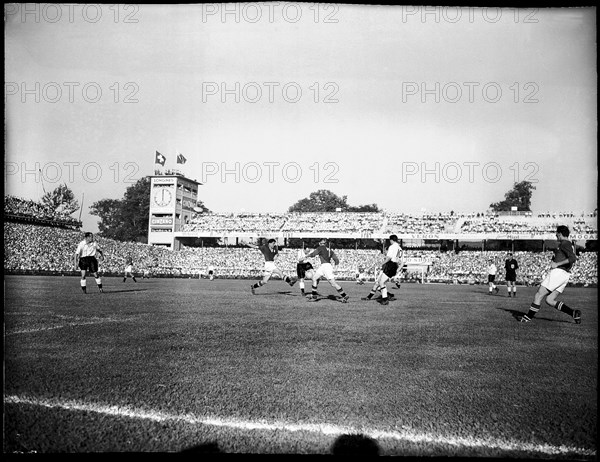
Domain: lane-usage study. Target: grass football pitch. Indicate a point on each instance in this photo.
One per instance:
(199, 366)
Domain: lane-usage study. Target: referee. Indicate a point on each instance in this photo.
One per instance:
(511, 266)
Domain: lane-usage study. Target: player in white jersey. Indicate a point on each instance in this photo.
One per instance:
(304, 269)
(491, 271)
(85, 260)
(129, 269)
(393, 260)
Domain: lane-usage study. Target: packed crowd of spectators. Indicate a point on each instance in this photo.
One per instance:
(400, 223)
(32, 248)
(387, 222)
(471, 266)
(539, 225)
(241, 222)
(24, 208)
(330, 222)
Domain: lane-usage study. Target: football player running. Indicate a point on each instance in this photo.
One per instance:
(394, 259)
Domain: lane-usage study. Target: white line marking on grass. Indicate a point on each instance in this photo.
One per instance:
(69, 324)
(405, 435)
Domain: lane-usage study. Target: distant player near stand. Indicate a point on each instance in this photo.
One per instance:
(326, 255)
(129, 269)
(511, 266)
(361, 276)
(269, 251)
(393, 260)
(304, 269)
(211, 272)
(491, 272)
(85, 260)
(556, 280)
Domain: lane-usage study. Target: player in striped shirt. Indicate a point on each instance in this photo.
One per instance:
(326, 255)
(269, 251)
(85, 260)
(556, 280)
(393, 260)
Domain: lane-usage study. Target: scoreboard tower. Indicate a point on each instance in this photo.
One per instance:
(172, 201)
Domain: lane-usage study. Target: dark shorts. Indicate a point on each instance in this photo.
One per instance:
(302, 268)
(390, 269)
(210, 272)
(512, 277)
(88, 264)
(491, 277)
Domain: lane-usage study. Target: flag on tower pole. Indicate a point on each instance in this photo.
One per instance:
(160, 159)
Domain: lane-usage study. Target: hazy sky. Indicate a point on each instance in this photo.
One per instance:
(410, 108)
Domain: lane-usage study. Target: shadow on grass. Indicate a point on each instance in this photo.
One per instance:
(123, 290)
(325, 297)
(271, 294)
(517, 315)
(355, 445)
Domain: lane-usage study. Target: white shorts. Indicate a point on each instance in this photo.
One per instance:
(325, 270)
(270, 268)
(128, 269)
(556, 279)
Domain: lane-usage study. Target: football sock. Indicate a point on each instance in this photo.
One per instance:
(301, 282)
(341, 292)
(99, 282)
(258, 284)
(83, 285)
(124, 279)
(384, 293)
(371, 294)
(314, 290)
(560, 306)
(533, 309)
(134, 279)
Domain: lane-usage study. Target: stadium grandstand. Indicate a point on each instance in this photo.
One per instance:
(17, 209)
(38, 243)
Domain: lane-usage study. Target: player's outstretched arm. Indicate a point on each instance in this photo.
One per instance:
(250, 244)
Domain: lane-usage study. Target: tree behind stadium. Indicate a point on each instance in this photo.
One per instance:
(61, 200)
(519, 196)
(324, 200)
(127, 219)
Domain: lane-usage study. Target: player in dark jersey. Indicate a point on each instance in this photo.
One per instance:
(269, 251)
(511, 266)
(556, 280)
(325, 270)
